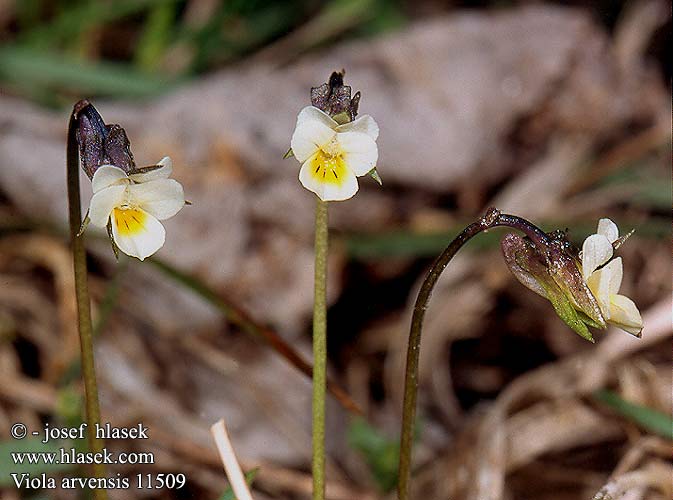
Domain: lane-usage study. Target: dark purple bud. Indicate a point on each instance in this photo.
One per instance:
(100, 143)
(334, 98)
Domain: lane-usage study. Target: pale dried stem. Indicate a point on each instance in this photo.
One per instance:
(231, 465)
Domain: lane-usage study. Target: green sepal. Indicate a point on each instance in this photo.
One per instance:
(373, 173)
(566, 311)
(289, 154)
(622, 239)
(342, 118)
(145, 170)
(84, 225)
(590, 321)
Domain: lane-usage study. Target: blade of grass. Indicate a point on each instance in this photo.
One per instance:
(651, 420)
(249, 478)
(410, 243)
(52, 70)
(155, 37)
(335, 18)
(241, 319)
(379, 451)
(82, 17)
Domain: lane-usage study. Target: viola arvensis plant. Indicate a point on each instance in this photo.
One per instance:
(334, 147)
(603, 274)
(134, 204)
(581, 286)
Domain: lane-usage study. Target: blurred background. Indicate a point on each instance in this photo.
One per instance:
(555, 111)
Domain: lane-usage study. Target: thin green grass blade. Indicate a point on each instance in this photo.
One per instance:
(81, 17)
(651, 420)
(155, 37)
(249, 478)
(54, 71)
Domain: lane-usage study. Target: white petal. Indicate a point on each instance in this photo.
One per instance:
(605, 283)
(608, 229)
(160, 173)
(103, 202)
(328, 191)
(162, 198)
(308, 137)
(145, 239)
(311, 113)
(107, 175)
(596, 251)
(625, 314)
(365, 125)
(359, 150)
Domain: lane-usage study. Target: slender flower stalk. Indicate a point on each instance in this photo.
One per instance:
(546, 264)
(319, 349)
(83, 302)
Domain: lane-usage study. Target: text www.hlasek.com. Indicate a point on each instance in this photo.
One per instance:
(72, 456)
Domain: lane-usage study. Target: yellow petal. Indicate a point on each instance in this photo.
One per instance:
(328, 177)
(136, 232)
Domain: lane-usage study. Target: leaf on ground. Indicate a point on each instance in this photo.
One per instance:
(647, 418)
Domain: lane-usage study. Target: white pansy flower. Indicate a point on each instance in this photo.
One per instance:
(333, 155)
(134, 204)
(604, 282)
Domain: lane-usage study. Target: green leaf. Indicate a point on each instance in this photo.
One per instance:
(249, 478)
(379, 451)
(651, 420)
(8, 465)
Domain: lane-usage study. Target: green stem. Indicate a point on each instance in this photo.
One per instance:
(83, 302)
(492, 218)
(319, 350)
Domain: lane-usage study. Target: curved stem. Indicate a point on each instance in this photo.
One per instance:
(319, 350)
(492, 218)
(83, 302)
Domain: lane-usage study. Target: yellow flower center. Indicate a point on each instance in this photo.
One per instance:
(129, 220)
(328, 168)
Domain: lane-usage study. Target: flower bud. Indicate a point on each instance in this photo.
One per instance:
(334, 98)
(555, 276)
(101, 143)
